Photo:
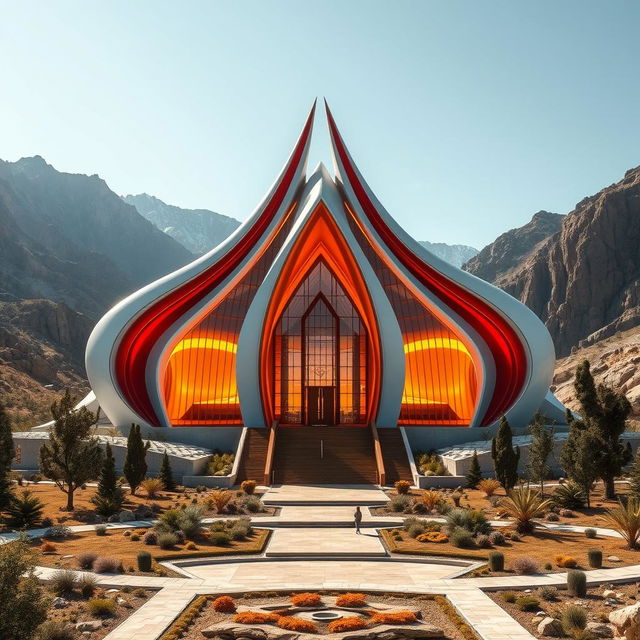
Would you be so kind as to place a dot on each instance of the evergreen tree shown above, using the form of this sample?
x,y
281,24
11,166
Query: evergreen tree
x,y
505,457
108,498
135,463
166,474
475,475
539,451
604,412
634,479
72,456
577,456
7,452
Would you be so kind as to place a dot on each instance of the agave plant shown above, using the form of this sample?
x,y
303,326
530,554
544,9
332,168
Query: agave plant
x,y
625,519
523,504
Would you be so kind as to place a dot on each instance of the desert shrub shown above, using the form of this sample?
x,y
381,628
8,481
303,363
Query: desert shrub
x,y
569,495
415,530
248,486
220,499
255,617
523,505
253,504
351,600
514,536
563,560
577,583
461,538
548,593
595,558
55,630
46,522
139,593
151,537
470,519
85,560
590,533
101,607
483,541
168,522
296,624
306,599
87,584
63,582
509,596
625,519
393,617
238,533
224,604
433,536
566,513
167,540
190,521
496,561
552,516
190,546
101,529
524,566
24,510
488,486
135,537
456,496
57,532
103,564
144,561
48,547
221,464
573,619
527,603
152,486
399,503
430,464
430,499
496,537
352,623
402,486
220,538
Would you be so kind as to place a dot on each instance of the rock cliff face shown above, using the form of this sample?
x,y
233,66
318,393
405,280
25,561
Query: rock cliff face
x,y
456,254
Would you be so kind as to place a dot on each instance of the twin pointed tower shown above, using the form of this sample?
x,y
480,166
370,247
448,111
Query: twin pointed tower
x,y
319,310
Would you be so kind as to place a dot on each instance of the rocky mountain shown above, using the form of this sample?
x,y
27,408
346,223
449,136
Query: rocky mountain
x,y
507,252
198,230
456,254
69,238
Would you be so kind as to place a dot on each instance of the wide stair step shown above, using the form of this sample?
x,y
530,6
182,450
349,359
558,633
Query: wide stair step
x,y
324,455
394,455
254,456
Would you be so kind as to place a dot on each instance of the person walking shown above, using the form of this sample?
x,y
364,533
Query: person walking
x,y
357,518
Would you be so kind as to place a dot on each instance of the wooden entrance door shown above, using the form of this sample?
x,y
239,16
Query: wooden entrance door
x,y
321,406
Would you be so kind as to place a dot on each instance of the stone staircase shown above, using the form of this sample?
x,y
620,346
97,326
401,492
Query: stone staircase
x,y
394,455
254,456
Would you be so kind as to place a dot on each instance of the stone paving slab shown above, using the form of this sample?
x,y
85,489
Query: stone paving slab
x,y
328,494
302,541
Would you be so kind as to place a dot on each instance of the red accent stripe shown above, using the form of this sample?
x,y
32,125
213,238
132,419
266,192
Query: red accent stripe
x,y
138,341
506,347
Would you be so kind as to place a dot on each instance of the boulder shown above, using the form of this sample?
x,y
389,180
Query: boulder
x,y
613,559
551,628
600,629
126,516
89,625
59,603
627,622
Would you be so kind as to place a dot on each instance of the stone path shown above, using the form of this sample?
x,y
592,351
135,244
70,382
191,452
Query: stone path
x,y
302,541
352,494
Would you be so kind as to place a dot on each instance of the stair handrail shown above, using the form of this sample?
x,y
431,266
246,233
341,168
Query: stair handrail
x,y
270,451
377,448
239,453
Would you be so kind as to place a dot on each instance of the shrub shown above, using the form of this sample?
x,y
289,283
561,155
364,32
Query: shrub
x,y
562,560
461,538
430,499
566,513
509,596
48,547
168,522
85,560
190,521
306,599
496,537
394,617
577,583
548,593
524,566
191,546
167,540
63,582
151,537
248,486
625,519
144,561
351,600
573,619
527,603
101,529
483,541
54,630
135,537
352,623
224,604
402,487
548,566
87,584
470,519
456,496
489,486
46,522
399,503
221,464
255,617
415,530
220,538
296,624
552,517
152,486
107,565
590,533
24,510
514,536
139,593
253,504
595,558
220,499
496,561
569,495
238,533
433,536
523,505
101,607
57,532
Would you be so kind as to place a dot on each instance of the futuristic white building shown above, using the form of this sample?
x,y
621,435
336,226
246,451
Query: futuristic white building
x,y
320,311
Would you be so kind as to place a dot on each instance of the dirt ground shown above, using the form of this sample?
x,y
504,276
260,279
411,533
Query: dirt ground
x,y
431,611
542,546
116,545
593,603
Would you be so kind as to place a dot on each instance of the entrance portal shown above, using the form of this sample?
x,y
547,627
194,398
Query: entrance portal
x,y
321,406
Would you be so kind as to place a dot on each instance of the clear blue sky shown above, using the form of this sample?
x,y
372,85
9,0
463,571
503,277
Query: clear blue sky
x,y
465,117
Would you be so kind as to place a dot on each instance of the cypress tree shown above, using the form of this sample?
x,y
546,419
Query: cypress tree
x,y
539,451
475,475
108,498
166,474
634,479
7,452
577,456
135,462
505,457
